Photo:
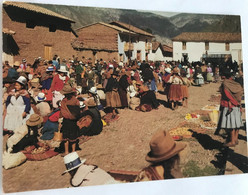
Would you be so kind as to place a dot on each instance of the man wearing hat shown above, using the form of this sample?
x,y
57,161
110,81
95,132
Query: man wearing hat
x,y
46,81
83,174
164,156
23,66
58,82
90,76
42,106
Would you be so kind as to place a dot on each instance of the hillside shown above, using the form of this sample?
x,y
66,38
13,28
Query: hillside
x,y
163,28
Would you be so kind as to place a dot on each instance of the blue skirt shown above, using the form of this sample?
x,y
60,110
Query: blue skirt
x,y
232,120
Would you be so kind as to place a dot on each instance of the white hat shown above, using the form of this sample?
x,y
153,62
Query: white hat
x,y
93,90
49,69
111,66
22,80
40,97
168,70
72,161
81,104
62,69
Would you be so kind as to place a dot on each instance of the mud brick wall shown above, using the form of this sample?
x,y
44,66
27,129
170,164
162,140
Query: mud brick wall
x,y
31,42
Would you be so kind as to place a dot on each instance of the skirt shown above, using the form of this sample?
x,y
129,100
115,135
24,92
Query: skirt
x,y
209,77
232,120
70,130
185,91
175,93
123,97
113,99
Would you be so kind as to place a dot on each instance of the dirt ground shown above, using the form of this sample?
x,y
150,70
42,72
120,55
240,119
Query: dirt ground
x,y
122,145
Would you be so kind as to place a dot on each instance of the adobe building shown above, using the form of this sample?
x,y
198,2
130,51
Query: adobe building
x,y
30,31
111,42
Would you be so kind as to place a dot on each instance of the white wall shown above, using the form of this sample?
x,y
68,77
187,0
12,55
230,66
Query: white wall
x,y
139,46
195,50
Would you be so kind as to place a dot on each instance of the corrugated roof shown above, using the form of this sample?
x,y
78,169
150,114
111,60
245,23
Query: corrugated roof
x,y
208,37
7,31
36,8
108,25
167,48
132,28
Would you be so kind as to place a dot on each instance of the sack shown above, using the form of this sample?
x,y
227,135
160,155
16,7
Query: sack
x,y
13,160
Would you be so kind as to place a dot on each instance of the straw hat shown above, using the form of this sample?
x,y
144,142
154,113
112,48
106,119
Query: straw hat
x,y
163,147
40,97
93,90
72,161
22,80
67,89
34,120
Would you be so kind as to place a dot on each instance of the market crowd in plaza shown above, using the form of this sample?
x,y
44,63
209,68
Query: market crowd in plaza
x,y
78,96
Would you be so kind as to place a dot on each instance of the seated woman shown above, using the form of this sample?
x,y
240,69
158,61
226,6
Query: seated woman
x,y
148,100
90,122
164,156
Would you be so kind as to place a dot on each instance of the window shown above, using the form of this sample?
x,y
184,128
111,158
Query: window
x,y
206,46
184,45
52,28
227,46
30,24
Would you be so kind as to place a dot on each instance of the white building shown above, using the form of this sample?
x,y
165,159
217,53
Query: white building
x,y
139,44
160,52
195,46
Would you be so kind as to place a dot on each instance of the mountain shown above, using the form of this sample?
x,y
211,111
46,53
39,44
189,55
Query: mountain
x,y
163,28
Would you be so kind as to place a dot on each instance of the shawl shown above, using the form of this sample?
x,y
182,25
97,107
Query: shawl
x,y
65,112
234,88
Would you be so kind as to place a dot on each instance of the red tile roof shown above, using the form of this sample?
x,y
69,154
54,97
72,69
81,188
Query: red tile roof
x,y
208,37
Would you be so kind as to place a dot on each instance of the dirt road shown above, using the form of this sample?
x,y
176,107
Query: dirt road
x,y
121,146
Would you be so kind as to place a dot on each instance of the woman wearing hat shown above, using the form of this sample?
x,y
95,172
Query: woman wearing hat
x,y
175,91
46,82
112,96
230,108
164,156
165,79
93,95
42,106
69,111
18,108
57,85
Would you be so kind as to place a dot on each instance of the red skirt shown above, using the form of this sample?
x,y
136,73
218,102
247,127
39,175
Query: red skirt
x,y
175,93
185,91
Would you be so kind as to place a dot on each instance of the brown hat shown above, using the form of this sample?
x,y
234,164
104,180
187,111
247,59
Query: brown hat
x,y
91,102
176,70
163,147
67,89
34,120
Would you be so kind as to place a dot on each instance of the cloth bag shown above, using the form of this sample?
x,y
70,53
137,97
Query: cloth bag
x,y
13,160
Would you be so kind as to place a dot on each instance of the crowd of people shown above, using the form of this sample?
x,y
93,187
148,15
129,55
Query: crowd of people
x,y
73,95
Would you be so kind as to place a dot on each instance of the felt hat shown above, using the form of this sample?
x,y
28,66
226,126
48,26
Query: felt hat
x,y
49,69
168,70
17,63
91,103
67,89
34,120
93,90
163,147
176,70
62,69
22,80
40,97
72,161
139,83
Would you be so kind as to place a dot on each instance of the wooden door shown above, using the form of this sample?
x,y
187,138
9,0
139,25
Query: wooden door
x,y
48,52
